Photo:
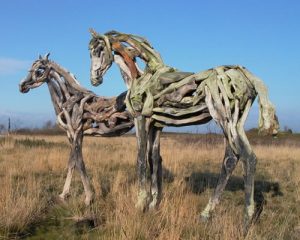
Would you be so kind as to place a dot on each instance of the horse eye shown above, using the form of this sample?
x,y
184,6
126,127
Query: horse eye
x,y
97,52
40,72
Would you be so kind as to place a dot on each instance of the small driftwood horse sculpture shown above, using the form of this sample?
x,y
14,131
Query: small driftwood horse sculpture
x,y
79,112
161,96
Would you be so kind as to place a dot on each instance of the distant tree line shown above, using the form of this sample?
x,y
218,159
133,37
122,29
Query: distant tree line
x,y
51,128
48,128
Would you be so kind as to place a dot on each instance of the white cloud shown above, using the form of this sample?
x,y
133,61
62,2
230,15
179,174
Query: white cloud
x,y
11,66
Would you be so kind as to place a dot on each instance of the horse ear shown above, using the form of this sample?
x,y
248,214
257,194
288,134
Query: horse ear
x,y
47,56
93,32
40,57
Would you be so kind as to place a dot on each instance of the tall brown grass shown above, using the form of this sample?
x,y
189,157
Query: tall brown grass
x,y
33,168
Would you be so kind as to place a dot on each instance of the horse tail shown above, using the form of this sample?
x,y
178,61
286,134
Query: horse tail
x,y
268,121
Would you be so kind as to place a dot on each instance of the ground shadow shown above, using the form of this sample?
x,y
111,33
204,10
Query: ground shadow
x,y
106,182
199,181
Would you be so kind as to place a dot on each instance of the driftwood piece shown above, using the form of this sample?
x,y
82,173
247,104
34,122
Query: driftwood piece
x,y
178,94
177,112
204,117
167,78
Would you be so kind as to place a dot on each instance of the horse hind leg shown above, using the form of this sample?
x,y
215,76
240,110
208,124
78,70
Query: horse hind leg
x,y
221,113
249,161
229,163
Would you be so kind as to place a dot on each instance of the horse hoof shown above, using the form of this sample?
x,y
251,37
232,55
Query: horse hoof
x,y
88,202
153,206
141,206
60,199
204,218
142,203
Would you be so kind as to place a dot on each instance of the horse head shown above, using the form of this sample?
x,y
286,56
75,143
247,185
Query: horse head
x,y
37,74
101,57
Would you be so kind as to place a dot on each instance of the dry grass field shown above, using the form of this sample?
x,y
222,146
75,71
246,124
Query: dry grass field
x,y
33,169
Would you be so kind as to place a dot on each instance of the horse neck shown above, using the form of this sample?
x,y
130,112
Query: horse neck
x,y
62,85
68,78
145,52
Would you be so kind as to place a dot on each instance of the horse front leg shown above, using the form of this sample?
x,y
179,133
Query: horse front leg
x,y
156,174
71,165
141,135
80,166
76,160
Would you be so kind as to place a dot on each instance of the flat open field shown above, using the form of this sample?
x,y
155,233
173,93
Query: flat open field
x,y
33,169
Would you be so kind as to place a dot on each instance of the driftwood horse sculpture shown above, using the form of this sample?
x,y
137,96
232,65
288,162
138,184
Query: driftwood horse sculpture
x,y
79,112
159,96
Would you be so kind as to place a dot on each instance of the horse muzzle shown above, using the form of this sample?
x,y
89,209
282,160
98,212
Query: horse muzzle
x,y
96,80
23,88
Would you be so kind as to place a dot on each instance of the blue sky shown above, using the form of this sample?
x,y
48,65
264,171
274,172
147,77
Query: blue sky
x,y
193,36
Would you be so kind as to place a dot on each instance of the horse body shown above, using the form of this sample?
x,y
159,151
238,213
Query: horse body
x,y
161,96
79,112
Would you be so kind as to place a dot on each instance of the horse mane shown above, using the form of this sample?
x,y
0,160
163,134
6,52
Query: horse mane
x,y
117,35
145,50
69,77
